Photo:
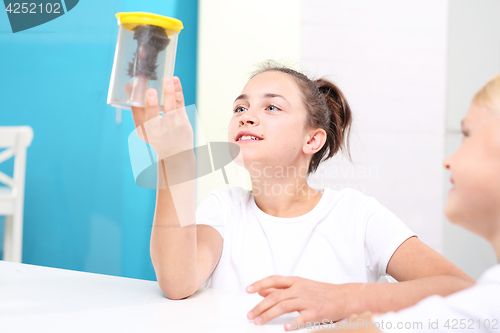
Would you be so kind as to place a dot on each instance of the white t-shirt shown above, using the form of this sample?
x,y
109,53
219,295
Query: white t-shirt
x,y
476,309
347,237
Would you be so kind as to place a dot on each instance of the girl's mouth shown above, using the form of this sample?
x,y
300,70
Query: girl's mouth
x,y
248,138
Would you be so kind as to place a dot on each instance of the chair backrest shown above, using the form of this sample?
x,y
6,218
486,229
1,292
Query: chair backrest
x,y
15,139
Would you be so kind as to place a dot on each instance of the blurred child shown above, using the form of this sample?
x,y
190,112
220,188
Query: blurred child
x,y
474,203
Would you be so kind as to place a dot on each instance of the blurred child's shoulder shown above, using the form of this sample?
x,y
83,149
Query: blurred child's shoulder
x,y
491,275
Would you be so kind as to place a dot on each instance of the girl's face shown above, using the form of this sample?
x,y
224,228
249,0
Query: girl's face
x,y
474,201
270,107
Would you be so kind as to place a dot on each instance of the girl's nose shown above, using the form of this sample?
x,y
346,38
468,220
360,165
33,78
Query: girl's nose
x,y
248,118
242,122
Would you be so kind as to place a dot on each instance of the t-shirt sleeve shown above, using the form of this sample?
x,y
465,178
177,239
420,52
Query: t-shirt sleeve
x,y
384,233
211,212
476,309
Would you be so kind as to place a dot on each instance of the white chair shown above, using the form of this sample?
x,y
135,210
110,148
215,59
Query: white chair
x,y
16,139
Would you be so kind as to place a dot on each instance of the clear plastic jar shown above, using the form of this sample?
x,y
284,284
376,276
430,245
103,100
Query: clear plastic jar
x,y
144,56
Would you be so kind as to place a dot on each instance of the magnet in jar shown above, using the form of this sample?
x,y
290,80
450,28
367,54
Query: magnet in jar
x,y
151,40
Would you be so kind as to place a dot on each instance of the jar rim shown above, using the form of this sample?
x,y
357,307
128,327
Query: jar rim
x,y
130,20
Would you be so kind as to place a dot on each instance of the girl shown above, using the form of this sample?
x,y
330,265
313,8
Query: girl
x,y
474,203
291,237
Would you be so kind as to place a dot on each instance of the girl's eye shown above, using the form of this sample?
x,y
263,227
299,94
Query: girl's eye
x,y
273,108
239,109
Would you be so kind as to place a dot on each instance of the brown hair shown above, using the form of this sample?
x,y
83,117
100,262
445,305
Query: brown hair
x,y
327,108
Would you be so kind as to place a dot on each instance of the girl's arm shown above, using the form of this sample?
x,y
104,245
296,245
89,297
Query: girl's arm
x,y
183,254
421,271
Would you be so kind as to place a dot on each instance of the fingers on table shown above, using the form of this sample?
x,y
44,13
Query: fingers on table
x,y
271,300
276,309
275,281
266,292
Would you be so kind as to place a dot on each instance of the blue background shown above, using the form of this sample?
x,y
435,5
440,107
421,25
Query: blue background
x,y
83,210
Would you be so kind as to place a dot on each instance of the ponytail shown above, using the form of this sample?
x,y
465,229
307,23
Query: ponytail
x,y
339,123
327,108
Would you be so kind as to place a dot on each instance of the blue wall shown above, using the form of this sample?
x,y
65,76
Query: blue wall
x,y
83,210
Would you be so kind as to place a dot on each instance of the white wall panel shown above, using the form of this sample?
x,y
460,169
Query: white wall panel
x,y
234,36
474,53
389,58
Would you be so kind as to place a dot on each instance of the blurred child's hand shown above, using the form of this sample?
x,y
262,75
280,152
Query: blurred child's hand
x,y
168,134
316,301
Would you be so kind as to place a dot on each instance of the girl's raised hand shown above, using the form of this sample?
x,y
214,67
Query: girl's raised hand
x,y
168,134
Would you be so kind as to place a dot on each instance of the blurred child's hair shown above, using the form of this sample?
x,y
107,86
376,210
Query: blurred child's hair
x,y
489,95
327,108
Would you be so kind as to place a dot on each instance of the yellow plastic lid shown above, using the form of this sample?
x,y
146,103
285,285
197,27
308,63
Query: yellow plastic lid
x,y
133,19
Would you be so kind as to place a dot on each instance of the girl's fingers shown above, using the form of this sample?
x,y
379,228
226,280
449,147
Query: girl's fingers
x,y
128,90
169,92
274,281
270,301
266,292
139,88
179,95
285,306
152,109
136,92
139,115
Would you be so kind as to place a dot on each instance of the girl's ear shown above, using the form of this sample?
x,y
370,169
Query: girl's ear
x,y
315,141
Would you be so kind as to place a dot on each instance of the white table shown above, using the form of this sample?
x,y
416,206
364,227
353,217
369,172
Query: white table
x,y
42,299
